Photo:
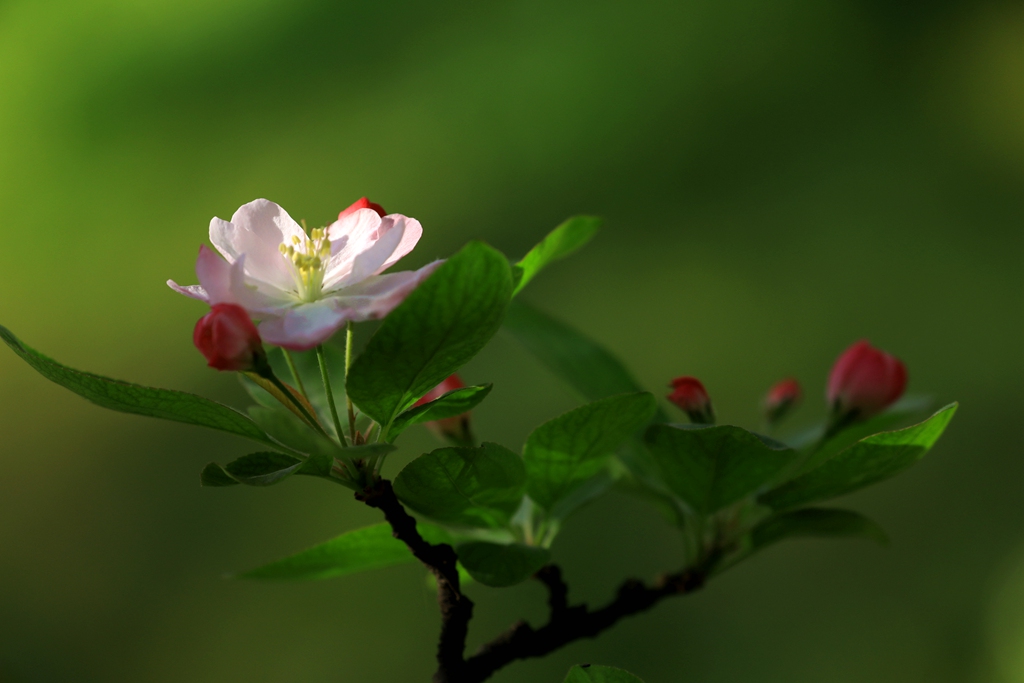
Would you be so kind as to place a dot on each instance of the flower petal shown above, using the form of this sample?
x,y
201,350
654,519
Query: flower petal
x,y
350,235
304,326
411,236
257,230
378,295
371,260
191,291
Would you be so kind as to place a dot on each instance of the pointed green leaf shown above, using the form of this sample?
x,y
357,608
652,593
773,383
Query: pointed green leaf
x,y
442,324
214,475
474,487
713,467
589,673
371,547
263,469
559,243
565,452
497,565
134,398
815,522
291,431
452,404
586,366
870,460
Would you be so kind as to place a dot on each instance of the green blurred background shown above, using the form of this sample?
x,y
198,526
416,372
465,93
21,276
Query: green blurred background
x,y
778,180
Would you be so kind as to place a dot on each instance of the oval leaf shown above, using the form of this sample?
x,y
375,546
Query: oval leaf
x,y
867,462
559,243
371,547
263,469
475,487
565,452
713,467
589,673
125,397
498,565
815,522
214,475
452,404
442,324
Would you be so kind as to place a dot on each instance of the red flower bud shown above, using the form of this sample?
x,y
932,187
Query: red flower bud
x,y
780,399
864,382
228,339
455,429
689,394
363,203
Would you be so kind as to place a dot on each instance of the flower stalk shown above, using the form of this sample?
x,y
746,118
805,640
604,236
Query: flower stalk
x,y
322,358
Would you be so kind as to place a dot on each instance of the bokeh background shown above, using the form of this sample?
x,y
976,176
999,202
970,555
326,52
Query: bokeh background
x,y
778,179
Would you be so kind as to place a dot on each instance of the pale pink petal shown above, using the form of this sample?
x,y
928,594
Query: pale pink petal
x,y
257,230
304,326
192,291
378,295
350,236
215,276
372,259
412,234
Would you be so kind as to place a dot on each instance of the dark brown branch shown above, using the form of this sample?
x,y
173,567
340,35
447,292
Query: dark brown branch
x,y
570,623
456,608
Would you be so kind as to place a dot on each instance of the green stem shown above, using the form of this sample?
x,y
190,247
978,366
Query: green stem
x,y
295,373
330,395
348,364
296,402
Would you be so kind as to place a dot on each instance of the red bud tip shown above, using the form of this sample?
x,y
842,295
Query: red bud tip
x,y
363,203
228,338
864,382
780,399
453,429
692,398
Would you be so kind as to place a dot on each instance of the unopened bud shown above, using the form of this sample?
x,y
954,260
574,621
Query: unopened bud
x,y
363,203
780,399
228,339
864,381
454,429
689,394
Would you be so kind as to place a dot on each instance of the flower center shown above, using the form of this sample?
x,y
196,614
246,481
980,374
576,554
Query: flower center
x,y
308,256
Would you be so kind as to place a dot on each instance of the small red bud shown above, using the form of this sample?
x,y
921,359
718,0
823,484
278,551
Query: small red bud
x,y
780,399
228,339
363,203
864,382
454,429
692,398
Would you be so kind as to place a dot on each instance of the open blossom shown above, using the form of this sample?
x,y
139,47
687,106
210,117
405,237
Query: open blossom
x,y
865,381
689,394
455,429
303,288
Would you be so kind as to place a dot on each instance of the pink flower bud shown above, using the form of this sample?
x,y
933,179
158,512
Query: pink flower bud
x,y
455,429
689,394
363,203
864,382
228,339
780,399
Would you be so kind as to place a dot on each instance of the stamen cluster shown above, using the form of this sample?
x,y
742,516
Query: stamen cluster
x,y
308,256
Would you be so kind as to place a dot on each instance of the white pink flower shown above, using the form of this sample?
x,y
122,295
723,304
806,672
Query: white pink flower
x,y
303,288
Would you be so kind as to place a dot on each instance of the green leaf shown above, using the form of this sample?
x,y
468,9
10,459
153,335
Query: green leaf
x,y
713,467
908,409
134,398
497,565
586,366
451,404
589,673
442,324
263,469
815,522
559,243
214,475
867,462
291,431
565,452
371,547
475,487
